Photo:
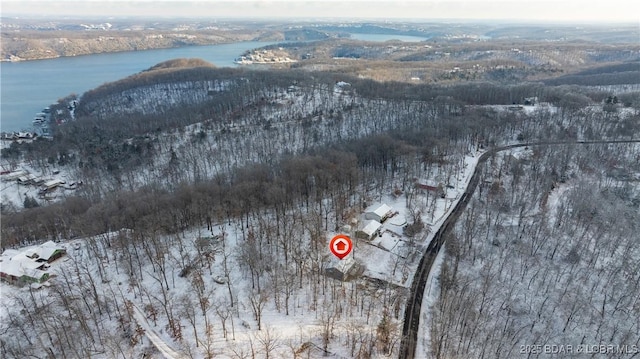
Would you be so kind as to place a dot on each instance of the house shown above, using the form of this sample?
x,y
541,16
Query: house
x,y
30,265
438,190
49,252
378,212
25,135
38,181
345,270
51,185
20,269
15,272
14,175
27,179
370,230
72,185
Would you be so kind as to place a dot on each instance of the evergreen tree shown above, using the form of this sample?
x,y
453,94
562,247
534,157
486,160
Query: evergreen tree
x,y
30,202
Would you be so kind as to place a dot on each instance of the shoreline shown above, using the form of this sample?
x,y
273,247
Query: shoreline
x,y
17,59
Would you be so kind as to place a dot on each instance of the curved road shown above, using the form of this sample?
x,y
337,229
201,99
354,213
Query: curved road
x,y
414,302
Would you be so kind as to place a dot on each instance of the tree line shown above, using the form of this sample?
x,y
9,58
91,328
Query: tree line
x,y
543,255
426,128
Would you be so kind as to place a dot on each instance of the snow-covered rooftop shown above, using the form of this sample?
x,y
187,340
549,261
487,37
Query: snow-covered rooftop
x,y
345,264
19,263
380,210
47,249
371,227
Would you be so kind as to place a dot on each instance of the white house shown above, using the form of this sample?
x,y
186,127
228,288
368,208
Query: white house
x,y
370,230
29,265
14,175
27,179
21,269
52,184
49,251
345,270
378,212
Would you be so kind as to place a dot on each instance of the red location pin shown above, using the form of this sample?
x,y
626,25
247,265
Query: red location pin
x,y
340,246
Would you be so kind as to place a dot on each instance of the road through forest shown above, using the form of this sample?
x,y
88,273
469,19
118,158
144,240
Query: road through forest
x,y
163,347
414,302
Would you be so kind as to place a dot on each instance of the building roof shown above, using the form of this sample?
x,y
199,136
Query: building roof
x,y
53,182
371,227
47,249
426,187
345,265
19,265
381,210
15,174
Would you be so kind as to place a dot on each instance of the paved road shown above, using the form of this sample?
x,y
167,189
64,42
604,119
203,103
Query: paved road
x,y
414,302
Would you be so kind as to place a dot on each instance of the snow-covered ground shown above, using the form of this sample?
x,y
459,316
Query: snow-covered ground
x,y
150,277
158,342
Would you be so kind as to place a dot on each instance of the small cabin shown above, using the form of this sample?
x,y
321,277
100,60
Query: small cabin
x,y
49,252
345,270
26,179
378,212
437,190
370,230
51,185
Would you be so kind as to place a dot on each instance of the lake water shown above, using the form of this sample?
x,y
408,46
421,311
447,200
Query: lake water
x,y
29,86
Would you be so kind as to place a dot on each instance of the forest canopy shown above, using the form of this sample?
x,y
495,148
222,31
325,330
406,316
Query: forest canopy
x,y
181,63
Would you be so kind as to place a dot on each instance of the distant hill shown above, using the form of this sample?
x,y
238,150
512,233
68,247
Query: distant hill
x,y
181,63
304,35
35,45
169,84
615,74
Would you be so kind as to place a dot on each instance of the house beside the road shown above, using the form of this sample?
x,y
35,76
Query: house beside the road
x,y
378,212
369,230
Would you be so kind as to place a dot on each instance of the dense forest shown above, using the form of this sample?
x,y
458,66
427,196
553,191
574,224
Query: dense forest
x,y
546,253
122,138
225,183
